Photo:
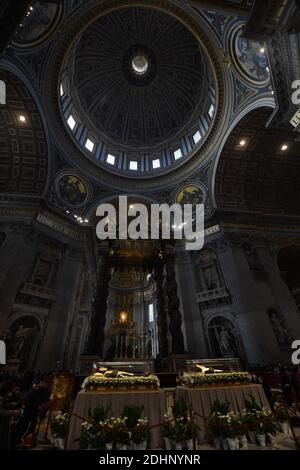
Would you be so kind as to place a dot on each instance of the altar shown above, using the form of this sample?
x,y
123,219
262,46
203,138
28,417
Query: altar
x,y
200,400
153,401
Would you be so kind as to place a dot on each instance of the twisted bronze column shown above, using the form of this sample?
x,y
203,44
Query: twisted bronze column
x,y
99,306
173,305
162,328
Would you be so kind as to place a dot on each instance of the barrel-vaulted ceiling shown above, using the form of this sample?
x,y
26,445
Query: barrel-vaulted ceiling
x,y
259,168
23,146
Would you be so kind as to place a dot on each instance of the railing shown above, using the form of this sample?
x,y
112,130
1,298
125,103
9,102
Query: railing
x,y
38,291
220,293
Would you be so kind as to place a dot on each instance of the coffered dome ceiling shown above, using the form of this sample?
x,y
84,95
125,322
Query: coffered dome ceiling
x,y
23,144
137,91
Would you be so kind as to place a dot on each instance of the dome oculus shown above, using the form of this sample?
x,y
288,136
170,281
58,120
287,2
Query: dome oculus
x,y
140,64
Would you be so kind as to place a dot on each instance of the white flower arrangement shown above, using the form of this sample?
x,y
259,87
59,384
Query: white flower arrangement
x,y
215,379
130,381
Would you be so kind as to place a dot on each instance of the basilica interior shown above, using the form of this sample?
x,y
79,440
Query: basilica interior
x,y
165,102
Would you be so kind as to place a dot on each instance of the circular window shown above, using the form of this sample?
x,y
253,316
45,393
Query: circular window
x,y
140,64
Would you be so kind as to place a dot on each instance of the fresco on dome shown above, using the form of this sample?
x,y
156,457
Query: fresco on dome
x,y
252,59
191,194
72,190
40,20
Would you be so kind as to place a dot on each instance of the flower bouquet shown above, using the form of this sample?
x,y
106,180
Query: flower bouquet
x,y
94,431
281,417
60,429
138,426
226,427
180,428
141,434
119,435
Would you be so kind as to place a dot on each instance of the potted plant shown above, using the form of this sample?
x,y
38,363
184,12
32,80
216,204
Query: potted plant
x,y
167,431
231,430
191,431
281,417
260,435
178,433
217,424
94,431
141,434
267,427
216,429
185,429
60,429
138,427
118,430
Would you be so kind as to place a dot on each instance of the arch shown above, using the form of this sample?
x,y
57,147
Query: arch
x,y
24,146
259,175
264,102
132,198
223,336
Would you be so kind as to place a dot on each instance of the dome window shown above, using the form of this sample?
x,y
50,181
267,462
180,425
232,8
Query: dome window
x,y
133,165
177,154
71,122
156,163
211,111
89,144
110,159
197,137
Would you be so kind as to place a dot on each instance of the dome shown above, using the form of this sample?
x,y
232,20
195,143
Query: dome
x,y
137,91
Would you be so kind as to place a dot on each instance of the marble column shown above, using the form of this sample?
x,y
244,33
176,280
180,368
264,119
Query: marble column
x,y
162,333
187,289
16,258
58,329
99,305
175,316
248,307
281,294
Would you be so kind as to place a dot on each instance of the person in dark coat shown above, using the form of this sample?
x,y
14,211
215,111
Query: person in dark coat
x,y
34,403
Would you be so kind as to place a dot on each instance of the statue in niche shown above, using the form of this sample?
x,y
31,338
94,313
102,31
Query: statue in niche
x,y
225,343
252,258
210,275
20,341
279,328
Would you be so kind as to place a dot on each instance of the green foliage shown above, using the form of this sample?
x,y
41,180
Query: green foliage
x,y
182,426
251,404
179,408
98,414
60,425
280,413
222,408
133,413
